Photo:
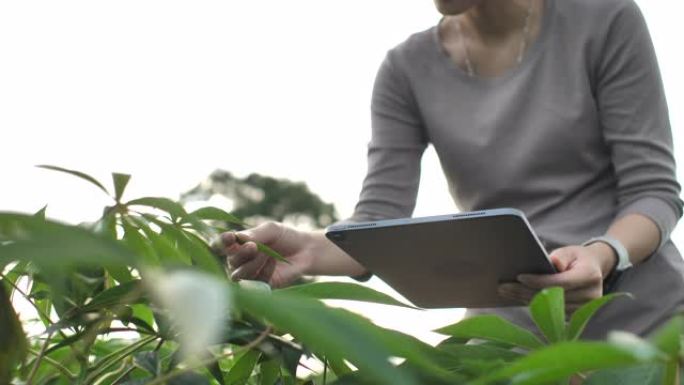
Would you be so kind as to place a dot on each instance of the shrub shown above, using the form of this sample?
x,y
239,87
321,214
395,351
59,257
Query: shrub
x,y
139,298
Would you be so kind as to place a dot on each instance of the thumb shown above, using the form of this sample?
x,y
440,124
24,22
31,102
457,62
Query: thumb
x,y
266,233
562,258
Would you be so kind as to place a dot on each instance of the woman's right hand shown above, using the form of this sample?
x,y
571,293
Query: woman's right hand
x,y
247,262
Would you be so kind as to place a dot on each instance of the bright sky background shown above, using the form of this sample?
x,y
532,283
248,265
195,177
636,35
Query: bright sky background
x,y
170,90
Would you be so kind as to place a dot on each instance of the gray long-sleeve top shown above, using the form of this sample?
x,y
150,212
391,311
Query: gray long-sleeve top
x,y
576,136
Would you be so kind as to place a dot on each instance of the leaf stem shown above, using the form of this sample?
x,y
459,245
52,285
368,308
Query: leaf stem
x,y
63,369
39,358
123,375
175,373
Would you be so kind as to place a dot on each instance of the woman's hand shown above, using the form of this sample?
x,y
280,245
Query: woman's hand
x,y
581,270
247,262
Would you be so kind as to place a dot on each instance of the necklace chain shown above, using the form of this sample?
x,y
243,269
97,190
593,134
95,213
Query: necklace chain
x,y
521,50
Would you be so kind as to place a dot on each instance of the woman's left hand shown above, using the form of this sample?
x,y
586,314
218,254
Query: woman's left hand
x,y
581,271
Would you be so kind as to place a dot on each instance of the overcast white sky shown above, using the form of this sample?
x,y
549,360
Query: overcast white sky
x,y
170,90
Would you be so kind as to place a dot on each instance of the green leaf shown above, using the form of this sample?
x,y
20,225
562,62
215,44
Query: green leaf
x,y
77,174
475,359
339,334
41,213
102,366
174,209
243,368
125,293
148,361
339,367
269,372
215,370
120,182
641,375
344,291
164,245
492,328
581,316
668,337
13,346
189,378
270,252
55,247
193,247
636,345
480,352
562,360
216,214
133,239
548,311
106,226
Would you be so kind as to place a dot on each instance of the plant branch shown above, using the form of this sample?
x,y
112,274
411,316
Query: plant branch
x,y
123,375
122,368
63,369
39,358
175,373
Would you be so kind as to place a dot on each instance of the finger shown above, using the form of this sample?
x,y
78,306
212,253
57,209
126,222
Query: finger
x,y
582,296
517,291
569,280
246,252
267,233
251,269
225,244
563,258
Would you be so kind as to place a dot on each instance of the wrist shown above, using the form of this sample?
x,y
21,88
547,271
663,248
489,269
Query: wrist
x,y
606,256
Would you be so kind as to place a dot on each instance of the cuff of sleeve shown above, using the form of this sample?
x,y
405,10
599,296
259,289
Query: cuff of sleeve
x,y
656,209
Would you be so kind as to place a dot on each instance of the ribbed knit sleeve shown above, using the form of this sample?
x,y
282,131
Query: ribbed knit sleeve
x,y
397,144
635,123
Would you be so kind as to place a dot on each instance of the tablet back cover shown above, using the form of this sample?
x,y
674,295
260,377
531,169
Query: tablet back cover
x,y
457,261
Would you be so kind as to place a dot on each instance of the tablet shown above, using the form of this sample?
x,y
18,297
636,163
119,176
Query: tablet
x,y
447,261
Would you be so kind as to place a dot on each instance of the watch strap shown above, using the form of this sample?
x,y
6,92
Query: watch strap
x,y
623,262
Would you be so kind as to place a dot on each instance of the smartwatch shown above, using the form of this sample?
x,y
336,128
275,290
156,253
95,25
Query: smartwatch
x,y
623,262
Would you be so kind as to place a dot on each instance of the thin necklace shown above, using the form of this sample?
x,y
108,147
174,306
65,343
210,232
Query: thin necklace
x,y
521,50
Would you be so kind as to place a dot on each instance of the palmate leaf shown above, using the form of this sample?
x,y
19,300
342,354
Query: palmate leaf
x,y
53,245
216,214
192,246
77,174
138,243
548,312
339,334
174,209
641,375
343,291
581,316
668,337
125,293
562,360
242,368
492,328
164,246
120,182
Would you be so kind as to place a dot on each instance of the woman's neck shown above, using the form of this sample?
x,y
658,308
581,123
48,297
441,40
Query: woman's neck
x,y
497,19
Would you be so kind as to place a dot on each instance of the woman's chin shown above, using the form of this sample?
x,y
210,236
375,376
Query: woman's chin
x,y
454,7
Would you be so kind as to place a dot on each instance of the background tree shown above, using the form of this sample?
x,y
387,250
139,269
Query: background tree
x,y
257,198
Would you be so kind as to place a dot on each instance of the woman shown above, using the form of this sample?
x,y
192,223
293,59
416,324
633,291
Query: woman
x,y
554,107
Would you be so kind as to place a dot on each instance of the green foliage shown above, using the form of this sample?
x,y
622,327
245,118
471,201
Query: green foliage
x,y
94,288
261,197
548,312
